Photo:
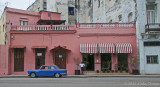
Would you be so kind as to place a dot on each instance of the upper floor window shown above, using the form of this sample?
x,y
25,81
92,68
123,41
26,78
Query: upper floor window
x,y
44,5
120,18
153,43
151,13
38,8
3,27
152,59
130,17
23,22
70,10
110,21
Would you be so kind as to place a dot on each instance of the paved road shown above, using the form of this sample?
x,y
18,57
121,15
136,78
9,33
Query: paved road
x,y
80,82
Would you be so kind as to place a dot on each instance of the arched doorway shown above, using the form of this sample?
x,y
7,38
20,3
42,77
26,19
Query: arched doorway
x,y
60,56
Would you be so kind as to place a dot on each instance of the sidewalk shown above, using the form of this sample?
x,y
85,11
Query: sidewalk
x,y
89,76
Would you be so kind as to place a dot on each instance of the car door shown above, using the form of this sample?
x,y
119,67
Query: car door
x,y
43,71
51,71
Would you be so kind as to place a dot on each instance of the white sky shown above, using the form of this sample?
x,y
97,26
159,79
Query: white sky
x,y
19,4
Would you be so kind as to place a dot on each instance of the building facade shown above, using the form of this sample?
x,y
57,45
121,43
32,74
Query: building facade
x,y
90,11
148,36
38,38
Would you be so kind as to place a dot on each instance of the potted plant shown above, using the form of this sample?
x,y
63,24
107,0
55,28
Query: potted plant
x,y
121,67
97,71
134,63
112,71
107,69
127,70
77,61
103,70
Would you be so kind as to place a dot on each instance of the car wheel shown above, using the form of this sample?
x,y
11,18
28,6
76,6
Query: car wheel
x,y
57,75
33,75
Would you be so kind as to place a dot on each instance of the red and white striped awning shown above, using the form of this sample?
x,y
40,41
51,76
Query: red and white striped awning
x,y
88,48
106,48
123,48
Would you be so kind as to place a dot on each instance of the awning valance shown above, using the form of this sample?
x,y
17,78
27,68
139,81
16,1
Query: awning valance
x,y
18,46
88,48
34,47
123,48
106,48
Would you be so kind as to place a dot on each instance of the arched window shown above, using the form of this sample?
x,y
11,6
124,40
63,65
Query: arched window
x,y
130,17
120,18
110,21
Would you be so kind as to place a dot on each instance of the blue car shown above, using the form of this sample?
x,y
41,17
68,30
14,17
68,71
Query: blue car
x,y
47,70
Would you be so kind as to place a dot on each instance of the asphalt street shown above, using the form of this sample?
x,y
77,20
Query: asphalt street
x,y
81,82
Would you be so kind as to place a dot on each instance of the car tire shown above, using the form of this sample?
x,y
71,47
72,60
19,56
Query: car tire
x,y
57,75
33,75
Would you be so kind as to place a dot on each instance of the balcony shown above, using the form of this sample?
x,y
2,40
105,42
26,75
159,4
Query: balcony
x,y
73,27
43,28
106,25
81,29
152,28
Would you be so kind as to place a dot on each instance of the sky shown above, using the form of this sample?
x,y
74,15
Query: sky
x,y
18,4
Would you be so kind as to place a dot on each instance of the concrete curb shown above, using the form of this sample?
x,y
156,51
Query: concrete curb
x,y
88,76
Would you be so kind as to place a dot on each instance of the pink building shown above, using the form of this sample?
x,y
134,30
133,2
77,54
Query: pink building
x,y
34,39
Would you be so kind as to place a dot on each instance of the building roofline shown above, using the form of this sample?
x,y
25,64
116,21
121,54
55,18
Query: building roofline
x,y
3,12
14,10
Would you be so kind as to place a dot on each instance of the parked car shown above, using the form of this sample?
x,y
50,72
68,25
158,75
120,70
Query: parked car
x,y
47,70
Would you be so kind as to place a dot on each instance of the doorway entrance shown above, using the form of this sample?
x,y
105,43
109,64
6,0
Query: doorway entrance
x,y
39,57
106,61
60,57
18,60
122,61
88,59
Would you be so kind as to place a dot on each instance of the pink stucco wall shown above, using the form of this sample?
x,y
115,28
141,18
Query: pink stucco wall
x,y
15,15
3,60
50,15
71,41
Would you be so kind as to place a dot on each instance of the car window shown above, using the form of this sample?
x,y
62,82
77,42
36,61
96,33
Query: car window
x,y
52,67
44,67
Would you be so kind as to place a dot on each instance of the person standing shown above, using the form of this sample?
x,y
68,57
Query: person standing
x,y
82,65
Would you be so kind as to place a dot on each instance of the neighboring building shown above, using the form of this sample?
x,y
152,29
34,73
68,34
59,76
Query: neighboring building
x,y
3,29
148,31
60,6
37,38
90,11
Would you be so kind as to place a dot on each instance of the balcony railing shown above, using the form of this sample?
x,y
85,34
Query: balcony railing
x,y
106,25
153,27
43,28
73,27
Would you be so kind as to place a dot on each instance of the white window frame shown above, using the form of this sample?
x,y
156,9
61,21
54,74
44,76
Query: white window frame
x,y
22,22
151,14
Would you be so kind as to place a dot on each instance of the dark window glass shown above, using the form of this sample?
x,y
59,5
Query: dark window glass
x,y
155,43
71,11
153,59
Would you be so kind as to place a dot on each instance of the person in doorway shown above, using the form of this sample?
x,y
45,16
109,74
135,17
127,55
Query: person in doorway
x,y
82,65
